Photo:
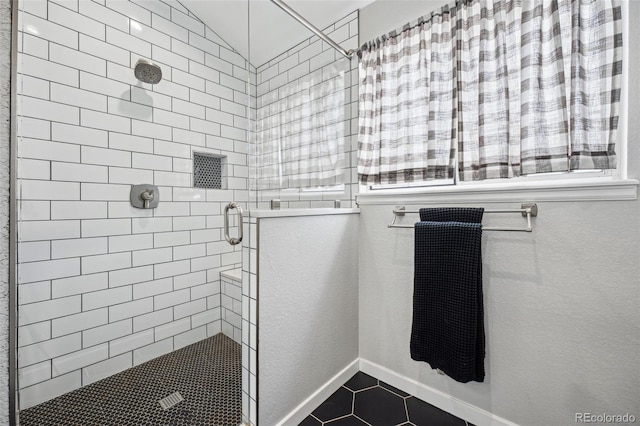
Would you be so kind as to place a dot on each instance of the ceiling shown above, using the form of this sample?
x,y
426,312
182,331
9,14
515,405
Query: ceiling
x,y
272,31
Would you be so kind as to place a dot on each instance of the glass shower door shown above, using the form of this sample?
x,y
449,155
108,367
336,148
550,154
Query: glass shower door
x,y
129,314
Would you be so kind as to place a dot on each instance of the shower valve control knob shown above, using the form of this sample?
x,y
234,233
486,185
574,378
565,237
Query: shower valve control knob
x,y
144,196
147,196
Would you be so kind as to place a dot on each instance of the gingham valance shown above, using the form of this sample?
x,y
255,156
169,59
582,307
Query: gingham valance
x,y
515,86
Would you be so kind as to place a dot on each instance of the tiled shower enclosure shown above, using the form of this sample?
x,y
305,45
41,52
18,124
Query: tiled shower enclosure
x,y
104,286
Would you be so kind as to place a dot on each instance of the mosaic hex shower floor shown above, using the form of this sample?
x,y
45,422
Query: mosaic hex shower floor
x,y
207,374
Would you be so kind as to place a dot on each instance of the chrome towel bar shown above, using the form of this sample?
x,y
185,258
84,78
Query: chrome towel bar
x,y
527,210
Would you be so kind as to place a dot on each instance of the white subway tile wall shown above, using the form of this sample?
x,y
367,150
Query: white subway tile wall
x,y
104,286
249,320
231,304
301,90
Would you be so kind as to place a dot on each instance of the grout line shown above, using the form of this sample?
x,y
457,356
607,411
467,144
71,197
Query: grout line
x,y
171,37
365,389
130,86
362,420
346,416
406,408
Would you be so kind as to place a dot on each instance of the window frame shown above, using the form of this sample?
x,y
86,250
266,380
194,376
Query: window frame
x,y
578,180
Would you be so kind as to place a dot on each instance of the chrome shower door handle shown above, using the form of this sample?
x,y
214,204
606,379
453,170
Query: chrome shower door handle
x,y
232,241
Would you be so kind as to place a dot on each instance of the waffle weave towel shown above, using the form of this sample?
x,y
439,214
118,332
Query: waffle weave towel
x,y
448,328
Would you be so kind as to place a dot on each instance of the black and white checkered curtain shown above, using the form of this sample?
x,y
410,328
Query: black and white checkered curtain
x,y
407,107
517,86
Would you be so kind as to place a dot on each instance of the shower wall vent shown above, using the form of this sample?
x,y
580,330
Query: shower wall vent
x,y
209,171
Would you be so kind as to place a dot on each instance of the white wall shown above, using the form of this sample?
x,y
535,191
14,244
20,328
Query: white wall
x,y
104,286
384,16
307,307
561,316
561,304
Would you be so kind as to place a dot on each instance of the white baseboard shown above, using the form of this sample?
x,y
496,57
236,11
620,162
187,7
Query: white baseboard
x,y
439,399
303,410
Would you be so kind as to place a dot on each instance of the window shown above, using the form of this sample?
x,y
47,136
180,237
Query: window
x,y
491,89
301,140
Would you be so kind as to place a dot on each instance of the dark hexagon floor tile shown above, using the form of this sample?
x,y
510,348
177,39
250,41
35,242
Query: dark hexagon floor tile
x,y
422,413
380,407
347,421
310,421
339,404
394,390
360,381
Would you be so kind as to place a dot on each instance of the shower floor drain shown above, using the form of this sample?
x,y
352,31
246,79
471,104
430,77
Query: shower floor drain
x,y
171,400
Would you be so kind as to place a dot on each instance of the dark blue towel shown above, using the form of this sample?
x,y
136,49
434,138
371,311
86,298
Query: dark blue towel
x,y
452,214
448,329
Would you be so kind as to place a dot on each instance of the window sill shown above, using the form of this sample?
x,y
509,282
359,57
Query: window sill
x,y
588,189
